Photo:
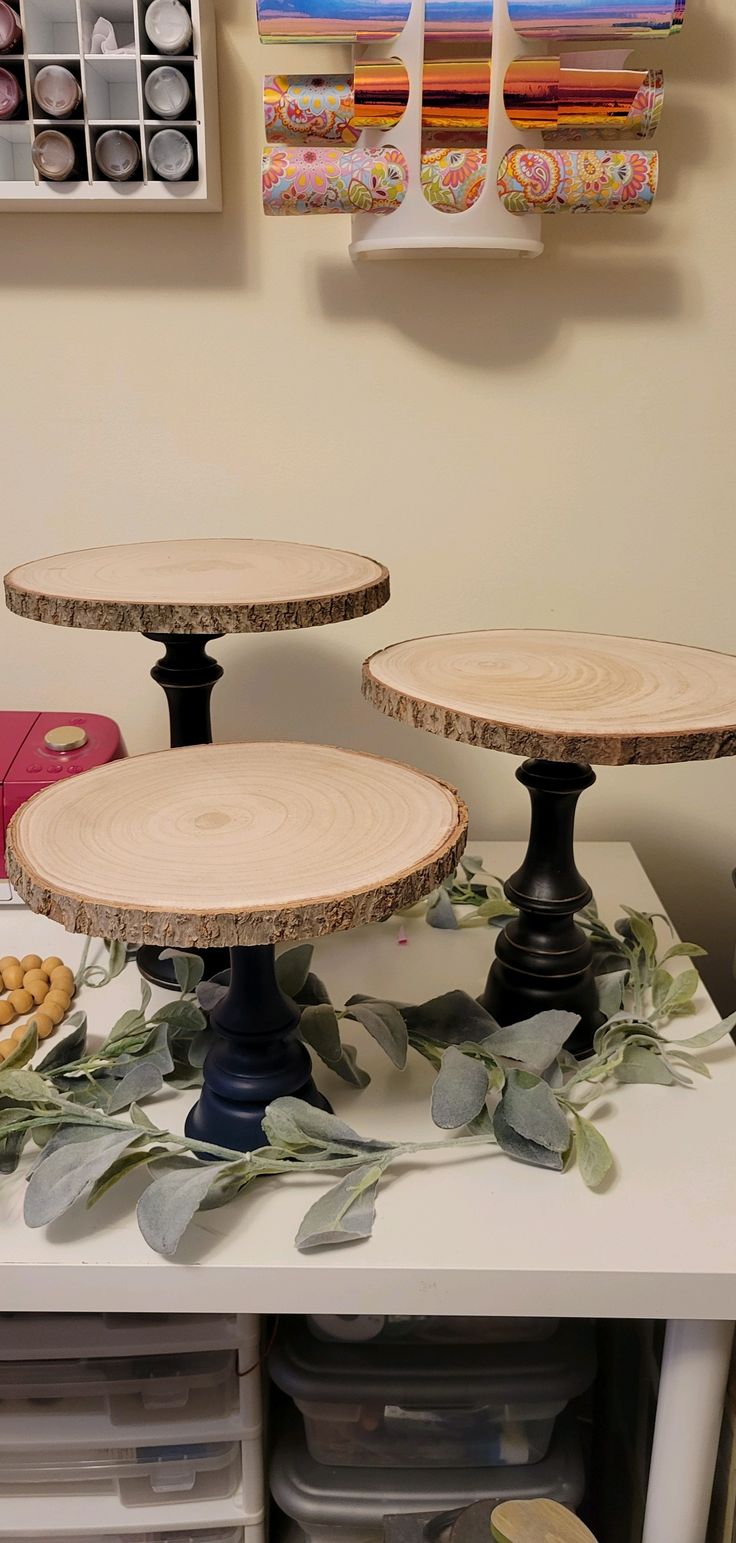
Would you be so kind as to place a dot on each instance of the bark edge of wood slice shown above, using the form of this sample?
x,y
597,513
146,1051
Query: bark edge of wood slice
x,y
188,847
564,696
327,585
537,1521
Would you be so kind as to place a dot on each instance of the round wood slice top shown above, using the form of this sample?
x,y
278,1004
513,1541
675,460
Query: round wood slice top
x,y
219,845
221,585
537,1521
565,696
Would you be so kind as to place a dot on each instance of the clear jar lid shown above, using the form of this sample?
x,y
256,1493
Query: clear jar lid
x,y
171,155
117,155
57,92
10,31
167,92
169,26
11,95
53,155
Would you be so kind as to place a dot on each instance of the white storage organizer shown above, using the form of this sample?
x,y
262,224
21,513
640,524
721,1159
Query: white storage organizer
x,y
208,1535
62,1336
60,32
414,1405
349,1505
138,1476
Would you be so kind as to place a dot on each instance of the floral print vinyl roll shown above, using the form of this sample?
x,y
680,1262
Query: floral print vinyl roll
x,y
452,179
333,181
574,181
300,108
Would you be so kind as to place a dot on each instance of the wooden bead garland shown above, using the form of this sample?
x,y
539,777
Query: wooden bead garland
x,y
33,982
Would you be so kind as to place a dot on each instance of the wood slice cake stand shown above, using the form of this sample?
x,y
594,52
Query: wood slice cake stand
x,y
564,699
185,594
237,846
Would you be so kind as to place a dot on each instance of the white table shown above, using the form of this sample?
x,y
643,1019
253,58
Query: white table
x,y
474,1234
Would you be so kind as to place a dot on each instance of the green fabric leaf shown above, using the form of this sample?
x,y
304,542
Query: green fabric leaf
x,y
531,1109
171,1202
385,1024
611,991
643,930
520,1147
595,1158
68,1173
292,968
684,950
23,1053
188,969
320,1030
710,1036
142,1081
24,1086
673,994
296,1126
460,1090
181,1017
642,1065
535,1042
69,1049
440,912
450,1018
345,1214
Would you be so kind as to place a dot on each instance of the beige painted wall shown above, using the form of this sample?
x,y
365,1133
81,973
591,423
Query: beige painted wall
x,y
545,444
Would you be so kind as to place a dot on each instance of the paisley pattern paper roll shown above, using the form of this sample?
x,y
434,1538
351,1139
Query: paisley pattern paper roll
x,y
573,181
573,106
327,181
331,21
334,109
601,19
452,180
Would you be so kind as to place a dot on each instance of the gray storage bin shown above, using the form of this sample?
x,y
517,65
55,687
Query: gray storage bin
x,y
416,1406
349,1505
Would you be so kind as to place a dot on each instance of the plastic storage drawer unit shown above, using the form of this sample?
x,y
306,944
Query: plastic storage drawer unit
x,y
61,1336
430,1330
348,1505
210,1535
419,1406
53,1396
140,1476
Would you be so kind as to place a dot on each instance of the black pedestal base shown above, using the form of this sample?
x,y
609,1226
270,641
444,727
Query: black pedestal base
x,y
257,1055
543,958
160,972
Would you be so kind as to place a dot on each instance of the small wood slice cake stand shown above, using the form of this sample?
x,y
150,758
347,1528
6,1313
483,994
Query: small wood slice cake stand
x,y
185,594
564,699
237,846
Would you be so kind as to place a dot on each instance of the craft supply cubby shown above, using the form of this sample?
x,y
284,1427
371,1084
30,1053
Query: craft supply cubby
x,y
59,32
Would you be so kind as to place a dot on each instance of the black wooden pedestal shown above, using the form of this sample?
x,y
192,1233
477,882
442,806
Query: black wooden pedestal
x,y
257,1055
543,958
187,673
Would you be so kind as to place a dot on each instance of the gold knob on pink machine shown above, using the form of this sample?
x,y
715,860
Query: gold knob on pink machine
x,y
68,736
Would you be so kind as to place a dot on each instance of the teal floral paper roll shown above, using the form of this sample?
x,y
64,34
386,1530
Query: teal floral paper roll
x,y
574,181
333,181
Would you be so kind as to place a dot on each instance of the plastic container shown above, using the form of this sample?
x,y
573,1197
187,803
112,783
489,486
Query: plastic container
x,y
136,1394
416,1406
210,1535
139,1476
404,1329
351,1505
49,1336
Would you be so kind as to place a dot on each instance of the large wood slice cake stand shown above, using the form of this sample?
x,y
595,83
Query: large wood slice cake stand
x,y
563,699
185,594
237,846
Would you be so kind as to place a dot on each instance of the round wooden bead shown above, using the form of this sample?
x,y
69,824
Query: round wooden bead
x,y
63,979
30,962
52,963
18,1032
35,975
53,1010
12,977
43,1023
7,962
22,1001
39,989
7,1012
62,998
6,1048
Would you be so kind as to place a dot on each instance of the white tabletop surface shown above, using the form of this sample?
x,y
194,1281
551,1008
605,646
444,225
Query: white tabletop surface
x,y
466,1234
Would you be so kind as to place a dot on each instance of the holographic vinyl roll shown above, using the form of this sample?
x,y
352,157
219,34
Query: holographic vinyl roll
x,y
575,181
596,19
575,104
458,21
334,109
333,181
331,21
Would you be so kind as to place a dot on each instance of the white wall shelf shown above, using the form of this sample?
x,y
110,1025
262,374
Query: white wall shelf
x,y
60,32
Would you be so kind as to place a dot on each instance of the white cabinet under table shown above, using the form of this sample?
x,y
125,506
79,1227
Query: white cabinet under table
x,y
469,1233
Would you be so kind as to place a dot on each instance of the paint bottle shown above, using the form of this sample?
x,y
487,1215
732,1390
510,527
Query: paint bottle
x,y
57,92
171,155
11,94
10,29
169,26
117,155
53,155
167,92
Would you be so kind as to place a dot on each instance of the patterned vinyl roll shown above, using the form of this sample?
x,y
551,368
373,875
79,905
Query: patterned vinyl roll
x,y
565,20
333,181
574,181
334,109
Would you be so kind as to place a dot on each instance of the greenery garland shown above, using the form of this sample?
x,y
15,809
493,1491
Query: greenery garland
x,y
516,1088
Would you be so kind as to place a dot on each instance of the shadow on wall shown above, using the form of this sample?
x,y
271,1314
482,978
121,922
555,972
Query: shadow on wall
x,y
627,269
150,251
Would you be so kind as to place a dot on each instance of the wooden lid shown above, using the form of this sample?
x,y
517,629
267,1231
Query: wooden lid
x,y
220,585
219,845
537,1521
566,696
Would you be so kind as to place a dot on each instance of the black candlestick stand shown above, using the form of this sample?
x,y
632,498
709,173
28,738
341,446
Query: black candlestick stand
x,y
187,673
257,1055
543,958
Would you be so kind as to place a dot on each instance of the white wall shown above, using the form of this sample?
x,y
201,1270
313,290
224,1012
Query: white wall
x,y
543,444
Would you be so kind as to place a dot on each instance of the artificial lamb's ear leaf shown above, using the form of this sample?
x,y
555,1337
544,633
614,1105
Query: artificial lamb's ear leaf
x,y
460,1090
68,1173
188,969
640,1064
320,1030
520,1147
441,913
292,968
142,1081
171,1202
180,1017
385,1024
531,1109
209,993
23,1053
611,991
346,1213
672,994
451,1018
711,1036
595,1158
295,1126
69,1049
534,1042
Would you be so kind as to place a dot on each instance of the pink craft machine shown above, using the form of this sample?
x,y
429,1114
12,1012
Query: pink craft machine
x,y
38,749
